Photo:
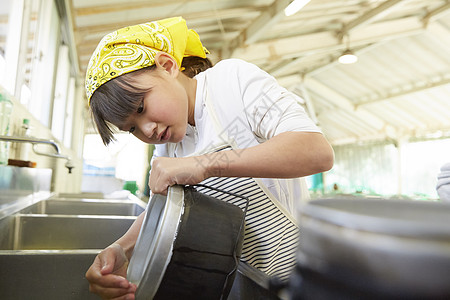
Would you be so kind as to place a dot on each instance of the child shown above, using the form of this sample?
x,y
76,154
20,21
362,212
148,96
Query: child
x,y
154,81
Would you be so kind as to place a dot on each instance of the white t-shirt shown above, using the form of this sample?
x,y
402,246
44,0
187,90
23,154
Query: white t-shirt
x,y
245,107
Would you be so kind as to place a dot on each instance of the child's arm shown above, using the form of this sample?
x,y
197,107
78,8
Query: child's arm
x,y
107,274
287,155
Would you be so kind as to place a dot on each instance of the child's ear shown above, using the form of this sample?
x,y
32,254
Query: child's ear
x,y
166,62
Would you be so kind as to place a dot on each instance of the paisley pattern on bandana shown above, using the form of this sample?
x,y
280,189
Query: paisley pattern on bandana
x,y
134,47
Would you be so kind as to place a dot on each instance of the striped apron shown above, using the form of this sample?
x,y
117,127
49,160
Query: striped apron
x,y
270,236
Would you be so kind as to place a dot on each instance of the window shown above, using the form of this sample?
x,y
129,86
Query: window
x,y
37,61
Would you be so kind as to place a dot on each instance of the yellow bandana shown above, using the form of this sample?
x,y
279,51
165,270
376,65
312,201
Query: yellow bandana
x,y
134,47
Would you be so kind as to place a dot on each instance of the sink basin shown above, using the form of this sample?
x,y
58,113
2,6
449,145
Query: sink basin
x,y
84,207
47,247
59,274
39,231
43,275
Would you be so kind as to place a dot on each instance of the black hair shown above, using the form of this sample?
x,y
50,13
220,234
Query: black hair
x,y
193,65
114,101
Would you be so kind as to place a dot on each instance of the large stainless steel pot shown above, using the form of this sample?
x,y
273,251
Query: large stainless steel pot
x,y
373,248
188,248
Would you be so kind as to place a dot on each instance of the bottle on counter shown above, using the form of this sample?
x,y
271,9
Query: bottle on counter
x,y
6,107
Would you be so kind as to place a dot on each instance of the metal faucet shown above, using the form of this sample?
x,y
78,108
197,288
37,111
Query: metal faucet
x,y
35,141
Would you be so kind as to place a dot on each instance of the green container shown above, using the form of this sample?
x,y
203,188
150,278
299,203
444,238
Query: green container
x,y
131,186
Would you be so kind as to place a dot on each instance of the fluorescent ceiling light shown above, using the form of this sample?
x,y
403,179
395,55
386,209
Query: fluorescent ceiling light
x,y
348,57
295,6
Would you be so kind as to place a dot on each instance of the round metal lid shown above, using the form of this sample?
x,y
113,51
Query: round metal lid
x,y
153,249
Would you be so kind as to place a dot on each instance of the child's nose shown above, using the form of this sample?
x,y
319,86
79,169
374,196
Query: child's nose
x,y
148,129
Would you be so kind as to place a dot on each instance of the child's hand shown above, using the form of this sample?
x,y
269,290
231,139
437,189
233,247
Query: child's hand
x,y
107,275
167,171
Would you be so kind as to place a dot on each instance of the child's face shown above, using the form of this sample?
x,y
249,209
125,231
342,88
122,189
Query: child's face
x,y
162,116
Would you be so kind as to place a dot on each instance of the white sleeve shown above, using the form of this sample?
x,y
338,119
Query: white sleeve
x,y
160,151
270,108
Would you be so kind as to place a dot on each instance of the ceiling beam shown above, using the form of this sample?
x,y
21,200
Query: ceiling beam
x,y
285,66
341,102
371,16
201,16
414,88
326,41
268,17
437,13
289,82
129,5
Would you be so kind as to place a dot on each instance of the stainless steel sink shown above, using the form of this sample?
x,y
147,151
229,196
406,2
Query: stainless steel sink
x,y
84,207
44,275
43,232
47,247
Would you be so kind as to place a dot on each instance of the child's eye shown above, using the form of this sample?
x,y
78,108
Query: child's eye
x,y
131,130
141,107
